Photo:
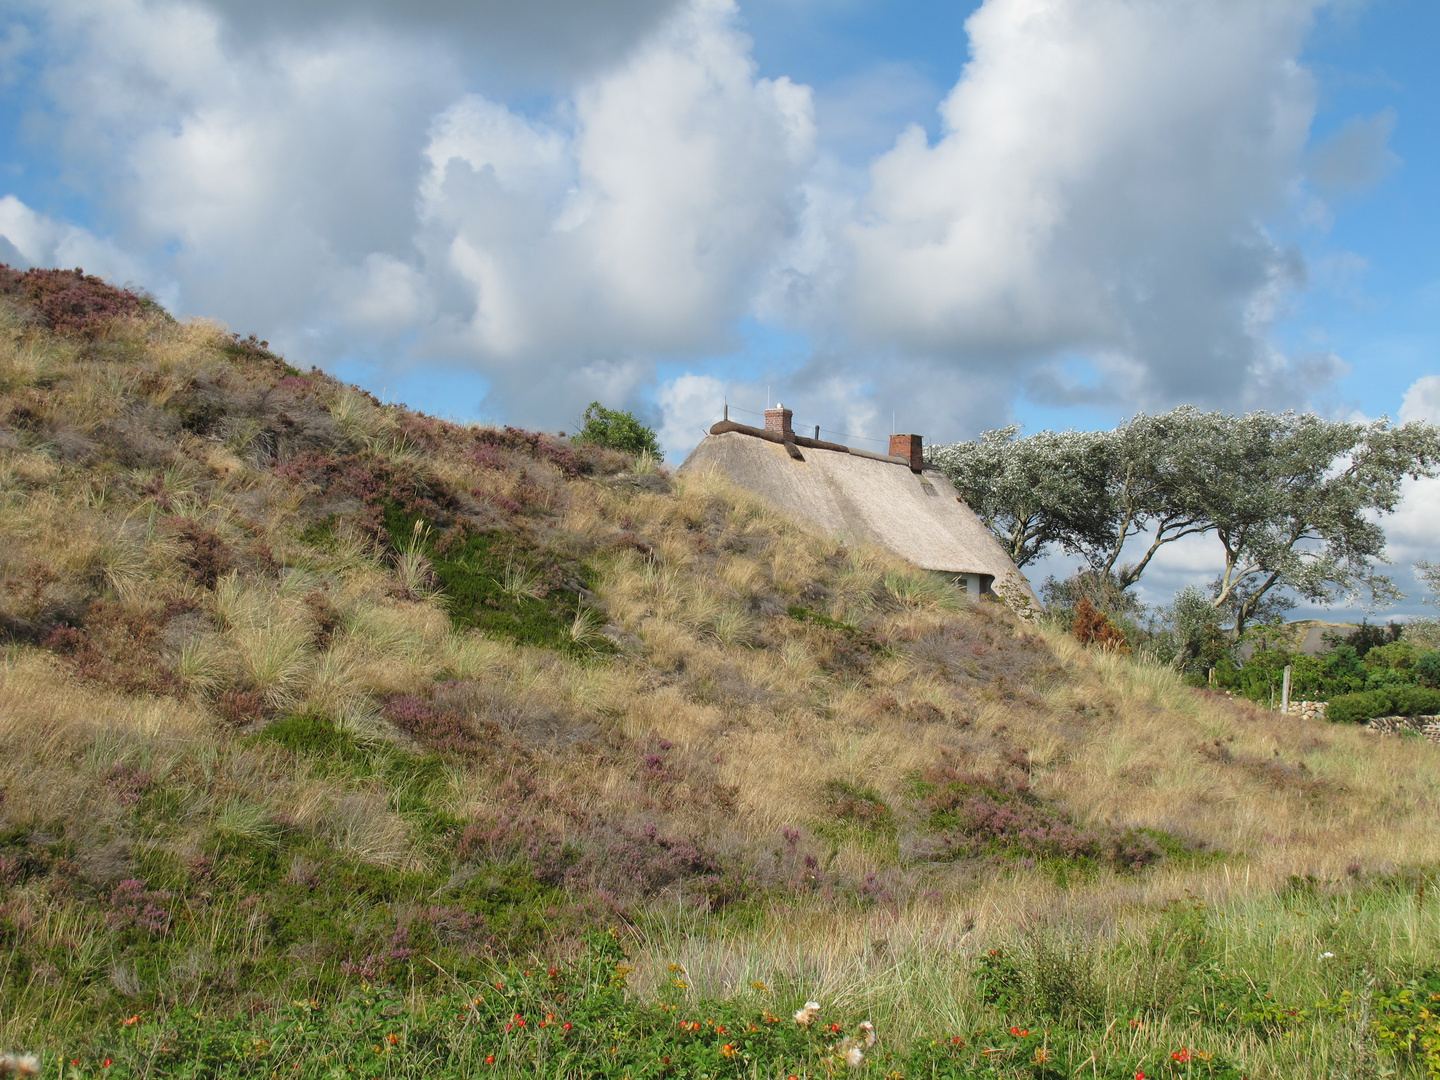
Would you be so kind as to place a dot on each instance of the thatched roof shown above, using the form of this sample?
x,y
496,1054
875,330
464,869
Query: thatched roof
x,y
861,496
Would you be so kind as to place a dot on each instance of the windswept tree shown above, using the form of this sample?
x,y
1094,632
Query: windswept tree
x,y
1294,502
1031,493
1154,466
1429,575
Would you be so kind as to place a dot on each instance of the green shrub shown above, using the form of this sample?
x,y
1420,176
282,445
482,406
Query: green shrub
x,y
1396,656
1427,669
618,430
1357,708
1389,701
1415,701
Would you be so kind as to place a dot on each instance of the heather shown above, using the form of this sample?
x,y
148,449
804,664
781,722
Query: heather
x,y
322,717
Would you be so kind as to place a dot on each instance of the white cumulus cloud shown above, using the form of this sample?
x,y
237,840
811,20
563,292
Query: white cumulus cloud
x,y
1099,187
363,181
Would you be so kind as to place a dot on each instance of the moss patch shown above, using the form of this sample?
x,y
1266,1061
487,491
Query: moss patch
x,y
500,584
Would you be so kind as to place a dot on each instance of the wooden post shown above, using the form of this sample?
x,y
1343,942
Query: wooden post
x,y
1285,692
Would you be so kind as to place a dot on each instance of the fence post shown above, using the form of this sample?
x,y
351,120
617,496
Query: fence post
x,y
1285,692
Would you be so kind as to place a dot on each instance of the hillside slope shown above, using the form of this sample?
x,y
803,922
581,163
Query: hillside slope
x,y
305,694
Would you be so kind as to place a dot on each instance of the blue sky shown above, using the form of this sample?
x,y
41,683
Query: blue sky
x,y
958,215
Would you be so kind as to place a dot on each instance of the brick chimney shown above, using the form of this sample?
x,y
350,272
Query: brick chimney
x,y
908,446
778,420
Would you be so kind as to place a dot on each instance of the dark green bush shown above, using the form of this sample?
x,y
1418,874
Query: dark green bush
x,y
1357,708
618,430
1390,701
1427,669
1414,701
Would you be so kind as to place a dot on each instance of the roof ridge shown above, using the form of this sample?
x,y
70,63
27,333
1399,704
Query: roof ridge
x,y
800,440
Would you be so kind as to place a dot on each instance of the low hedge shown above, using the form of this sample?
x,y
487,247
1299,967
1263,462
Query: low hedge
x,y
1390,701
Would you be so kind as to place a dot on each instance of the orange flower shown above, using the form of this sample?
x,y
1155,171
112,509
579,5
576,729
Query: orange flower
x,y
393,1038
131,1022
728,1050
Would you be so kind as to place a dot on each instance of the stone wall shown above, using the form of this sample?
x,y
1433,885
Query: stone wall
x,y
1428,726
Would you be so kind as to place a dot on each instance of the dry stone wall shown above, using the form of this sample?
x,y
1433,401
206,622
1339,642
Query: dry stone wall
x,y
1428,726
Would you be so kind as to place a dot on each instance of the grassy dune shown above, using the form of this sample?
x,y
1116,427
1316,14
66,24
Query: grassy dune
x,y
321,718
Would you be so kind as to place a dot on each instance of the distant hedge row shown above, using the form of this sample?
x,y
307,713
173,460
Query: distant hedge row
x,y
1390,701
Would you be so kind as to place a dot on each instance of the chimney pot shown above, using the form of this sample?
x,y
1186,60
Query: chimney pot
x,y
911,447
778,420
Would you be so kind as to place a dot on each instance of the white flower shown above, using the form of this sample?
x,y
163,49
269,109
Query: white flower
x,y
1327,956
854,1057
868,1031
806,1016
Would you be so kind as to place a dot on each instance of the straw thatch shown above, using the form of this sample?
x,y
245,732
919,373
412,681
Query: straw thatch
x,y
861,496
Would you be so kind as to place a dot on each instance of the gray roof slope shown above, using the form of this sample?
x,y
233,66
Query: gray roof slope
x,y
861,497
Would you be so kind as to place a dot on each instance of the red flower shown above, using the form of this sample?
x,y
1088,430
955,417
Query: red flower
x,y
490,1060
1139,1075
393,1038
1181,1055
1015,1031
958,1041
106,1063
833,1028
719,1029
566,1025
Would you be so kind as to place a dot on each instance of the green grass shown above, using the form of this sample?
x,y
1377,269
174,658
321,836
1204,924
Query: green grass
x,y
1198,993
498,583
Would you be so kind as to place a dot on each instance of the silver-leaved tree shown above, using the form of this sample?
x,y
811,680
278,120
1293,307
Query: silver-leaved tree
x,y
1293,499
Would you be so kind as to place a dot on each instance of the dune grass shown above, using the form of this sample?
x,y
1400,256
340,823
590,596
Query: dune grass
x,y
309,699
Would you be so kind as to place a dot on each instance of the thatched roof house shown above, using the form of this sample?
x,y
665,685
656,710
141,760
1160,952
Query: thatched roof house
x,y
895,500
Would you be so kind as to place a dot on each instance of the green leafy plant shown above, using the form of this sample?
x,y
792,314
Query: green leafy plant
x,y
618,430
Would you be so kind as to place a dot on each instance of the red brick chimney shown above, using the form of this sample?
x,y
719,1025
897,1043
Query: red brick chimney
x,y
778,420
908,446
